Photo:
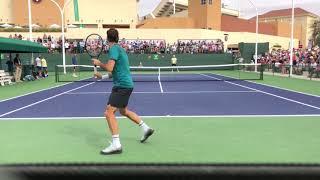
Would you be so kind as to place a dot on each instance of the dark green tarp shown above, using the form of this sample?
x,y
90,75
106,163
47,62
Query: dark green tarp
x,y
247,50
8,45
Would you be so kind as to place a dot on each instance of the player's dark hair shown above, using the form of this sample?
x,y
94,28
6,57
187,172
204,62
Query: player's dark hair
x,y
113,35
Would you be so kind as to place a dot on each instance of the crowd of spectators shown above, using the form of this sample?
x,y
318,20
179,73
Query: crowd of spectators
x,y
55,44
182,46
277,60
16,36
200,46
136,46
144,46
303,61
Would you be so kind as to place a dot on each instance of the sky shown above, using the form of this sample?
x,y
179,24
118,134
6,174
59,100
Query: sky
x,y
246,9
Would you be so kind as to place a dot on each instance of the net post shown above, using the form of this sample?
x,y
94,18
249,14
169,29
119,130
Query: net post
x,y
239,75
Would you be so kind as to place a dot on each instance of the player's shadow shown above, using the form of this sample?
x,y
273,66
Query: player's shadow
x,y
92,137
97,137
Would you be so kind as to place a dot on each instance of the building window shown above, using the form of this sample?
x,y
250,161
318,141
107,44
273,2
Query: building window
x,y
210,1
203,2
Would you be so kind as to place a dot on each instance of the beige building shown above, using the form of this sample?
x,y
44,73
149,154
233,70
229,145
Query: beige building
x,y
201,14
84,13
166,9
303,22
104,13
212,15
5,12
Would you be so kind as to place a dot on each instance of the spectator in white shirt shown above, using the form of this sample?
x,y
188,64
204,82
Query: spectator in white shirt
x,y
38,66
67,45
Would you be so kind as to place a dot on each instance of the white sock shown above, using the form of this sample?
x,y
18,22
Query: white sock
x,y
116,140
144,126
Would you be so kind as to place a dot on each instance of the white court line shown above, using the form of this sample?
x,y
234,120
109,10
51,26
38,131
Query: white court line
x,y
35,92
285,89
161,90
168,116
24,107
275,87
287,99
160,82
167,92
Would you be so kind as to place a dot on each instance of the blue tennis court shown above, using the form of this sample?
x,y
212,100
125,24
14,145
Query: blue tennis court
x,y
165,98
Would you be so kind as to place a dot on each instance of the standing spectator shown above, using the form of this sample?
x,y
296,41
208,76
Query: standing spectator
x,y
67,45
168,49
39,67
18,64
45,38
39,40
82,44
174,48
44,67
10,65
74,62
52,47
75,46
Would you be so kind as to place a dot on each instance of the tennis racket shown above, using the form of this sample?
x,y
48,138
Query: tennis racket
x,y
94,47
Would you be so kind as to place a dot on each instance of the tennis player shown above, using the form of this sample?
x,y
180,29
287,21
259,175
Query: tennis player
x,y
174,62
118,65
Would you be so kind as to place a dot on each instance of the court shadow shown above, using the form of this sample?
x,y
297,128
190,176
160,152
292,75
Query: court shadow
x,y
92,137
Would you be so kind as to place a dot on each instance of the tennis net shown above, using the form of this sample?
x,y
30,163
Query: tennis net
x,y
230,72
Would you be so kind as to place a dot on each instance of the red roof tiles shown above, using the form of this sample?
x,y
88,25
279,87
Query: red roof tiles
x,y
234,24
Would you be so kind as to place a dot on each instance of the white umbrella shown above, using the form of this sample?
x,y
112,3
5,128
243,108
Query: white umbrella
x,y
35,26
5,25
55,26
72,26
17,27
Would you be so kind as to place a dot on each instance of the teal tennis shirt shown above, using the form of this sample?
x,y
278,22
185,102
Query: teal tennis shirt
x,y
121,72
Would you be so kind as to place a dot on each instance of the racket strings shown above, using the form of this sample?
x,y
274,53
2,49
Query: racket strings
x,y
94,45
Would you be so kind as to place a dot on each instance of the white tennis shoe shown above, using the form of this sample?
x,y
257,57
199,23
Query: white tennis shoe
x,y
112,149
146,135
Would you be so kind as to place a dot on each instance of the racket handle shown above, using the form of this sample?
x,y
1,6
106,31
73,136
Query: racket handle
x,y
95,69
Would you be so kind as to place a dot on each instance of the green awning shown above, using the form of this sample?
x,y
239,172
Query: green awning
x,y
8,45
